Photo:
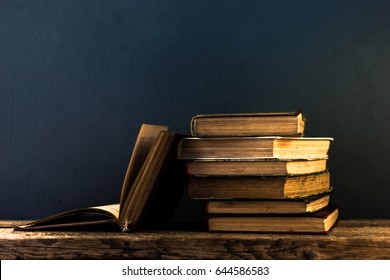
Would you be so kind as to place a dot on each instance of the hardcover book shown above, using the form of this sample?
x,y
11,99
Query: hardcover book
x,y
269,206
152,187
255,167
319,222
257,187
248,124
252,148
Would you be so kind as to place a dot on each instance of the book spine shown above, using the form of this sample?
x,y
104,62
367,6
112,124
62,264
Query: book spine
x,y
193,127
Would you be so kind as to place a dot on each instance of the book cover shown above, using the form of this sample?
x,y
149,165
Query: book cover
x,y
158,187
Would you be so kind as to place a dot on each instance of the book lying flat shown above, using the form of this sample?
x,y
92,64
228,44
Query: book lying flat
x,y
272,206
270,187
319,222
251,148
255,167
248,124
152,187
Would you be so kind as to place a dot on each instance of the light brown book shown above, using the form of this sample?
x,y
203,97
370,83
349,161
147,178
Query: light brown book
x,y
252,148
146,137
280,206
255,167
319,222
251,187
248,124
151,190
158,187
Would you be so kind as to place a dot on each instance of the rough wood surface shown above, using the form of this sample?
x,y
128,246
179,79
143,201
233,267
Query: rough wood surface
x,y
351,239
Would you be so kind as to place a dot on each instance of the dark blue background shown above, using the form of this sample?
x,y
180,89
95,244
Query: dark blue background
x,y
77,79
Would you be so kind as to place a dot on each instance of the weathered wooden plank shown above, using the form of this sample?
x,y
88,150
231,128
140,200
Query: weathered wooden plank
x,y
353,239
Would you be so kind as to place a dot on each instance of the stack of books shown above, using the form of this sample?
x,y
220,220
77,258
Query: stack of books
x,y
258,173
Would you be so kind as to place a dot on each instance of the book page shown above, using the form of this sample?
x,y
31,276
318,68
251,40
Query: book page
x,y
146,138
112,208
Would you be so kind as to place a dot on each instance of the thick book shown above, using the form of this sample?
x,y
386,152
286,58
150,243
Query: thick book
x,y
319,222
252,148
248,124
270,206
153,186
257,187
255,167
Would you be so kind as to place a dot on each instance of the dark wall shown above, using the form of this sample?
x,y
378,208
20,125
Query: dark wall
x,y
77,78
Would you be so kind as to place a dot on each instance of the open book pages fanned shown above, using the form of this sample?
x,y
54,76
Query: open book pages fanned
x,y
152,187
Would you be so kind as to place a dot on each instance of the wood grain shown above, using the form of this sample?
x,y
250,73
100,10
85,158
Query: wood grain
x,y
351,239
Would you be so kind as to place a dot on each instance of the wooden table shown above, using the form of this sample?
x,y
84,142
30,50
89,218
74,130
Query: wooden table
x,y
351,239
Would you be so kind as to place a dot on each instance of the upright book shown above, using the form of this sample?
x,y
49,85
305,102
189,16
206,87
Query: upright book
x,y
248,124
152,187
252,148
147,135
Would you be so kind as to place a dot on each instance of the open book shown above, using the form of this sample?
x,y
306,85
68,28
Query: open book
x,y
152,187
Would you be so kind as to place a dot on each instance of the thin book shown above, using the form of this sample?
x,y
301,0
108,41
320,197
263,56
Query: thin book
x,y
248,124
252,148
308,204
255,167
320,222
